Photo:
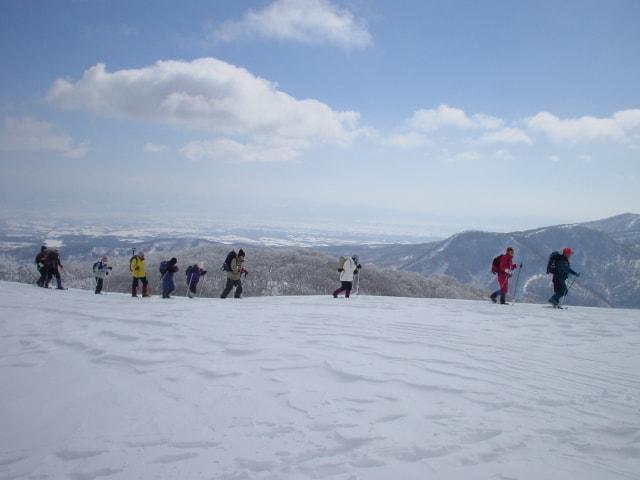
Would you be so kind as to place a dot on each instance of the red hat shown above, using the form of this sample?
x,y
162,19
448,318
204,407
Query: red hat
x,y
567,251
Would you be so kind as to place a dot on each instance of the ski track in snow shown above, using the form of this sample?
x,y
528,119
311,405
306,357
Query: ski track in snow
x,y
110,387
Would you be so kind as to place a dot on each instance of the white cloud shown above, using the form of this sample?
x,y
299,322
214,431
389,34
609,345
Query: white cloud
x,y
446,117
503,154
30,135
206,94
434,119
585,129
305,21
509,136
407,140
466,157
227,150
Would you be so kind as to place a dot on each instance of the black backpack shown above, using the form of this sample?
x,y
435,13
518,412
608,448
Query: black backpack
x,y
164,267
226,266
495,264
95,267
188,270
552,263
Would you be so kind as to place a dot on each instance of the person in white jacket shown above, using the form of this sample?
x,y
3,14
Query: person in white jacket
x,y
347,272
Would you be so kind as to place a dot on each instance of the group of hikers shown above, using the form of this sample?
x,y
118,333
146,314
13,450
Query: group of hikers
x,y
233,266
48,264
558,265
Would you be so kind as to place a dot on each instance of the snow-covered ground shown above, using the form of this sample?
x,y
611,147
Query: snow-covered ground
x,y
110,387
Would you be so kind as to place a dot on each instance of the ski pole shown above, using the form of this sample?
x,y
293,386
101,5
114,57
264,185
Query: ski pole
x,y
515,290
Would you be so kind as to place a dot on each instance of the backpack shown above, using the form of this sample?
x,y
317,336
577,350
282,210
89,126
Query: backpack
x,y
226,266
341,262
95,267
131,262
189,270
553,262
495,264
164,267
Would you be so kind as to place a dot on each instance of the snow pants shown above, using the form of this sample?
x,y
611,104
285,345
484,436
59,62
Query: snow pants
x,y
559,289
230,284
99,282
167,285
345,287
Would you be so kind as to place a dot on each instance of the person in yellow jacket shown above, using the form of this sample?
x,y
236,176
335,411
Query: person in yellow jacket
x,y
136,265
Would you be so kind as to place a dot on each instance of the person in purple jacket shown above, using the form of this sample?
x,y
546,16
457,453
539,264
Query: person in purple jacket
x,y
194,272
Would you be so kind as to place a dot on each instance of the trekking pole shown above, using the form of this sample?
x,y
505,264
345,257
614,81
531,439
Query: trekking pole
x,y
358,284
106,289
515,290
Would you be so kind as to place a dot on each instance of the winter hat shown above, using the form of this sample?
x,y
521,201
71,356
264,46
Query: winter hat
x,y
241,253
43,248
567,251
140,254
104,258
509,249
173,261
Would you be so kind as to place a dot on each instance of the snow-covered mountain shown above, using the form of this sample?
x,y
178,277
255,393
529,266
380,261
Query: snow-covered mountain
x,y
610,269
623,228
372,388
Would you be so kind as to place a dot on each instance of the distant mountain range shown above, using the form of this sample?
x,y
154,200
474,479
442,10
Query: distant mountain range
x,y
607,254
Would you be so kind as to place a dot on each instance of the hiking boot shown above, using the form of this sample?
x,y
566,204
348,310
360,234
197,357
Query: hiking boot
x,y
493,298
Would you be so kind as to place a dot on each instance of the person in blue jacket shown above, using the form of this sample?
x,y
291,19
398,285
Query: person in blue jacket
x,y
168,286
560,275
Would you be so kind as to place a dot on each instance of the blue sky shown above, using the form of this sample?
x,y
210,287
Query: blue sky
x,y
495,115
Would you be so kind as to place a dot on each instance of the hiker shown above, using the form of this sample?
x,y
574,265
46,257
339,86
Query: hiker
x,y
101,270
193,273
503,266
233,267
561,268
53,266
41,259
167,269
348,268
136,266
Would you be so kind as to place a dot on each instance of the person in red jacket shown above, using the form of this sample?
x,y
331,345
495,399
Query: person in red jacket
x,y
505,269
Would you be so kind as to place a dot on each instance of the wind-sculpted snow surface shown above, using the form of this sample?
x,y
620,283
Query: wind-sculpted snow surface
x,y
110,387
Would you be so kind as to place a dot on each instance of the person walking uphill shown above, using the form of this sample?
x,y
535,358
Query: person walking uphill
x,y
41,259
53,266
348,269
101,270
503,266
139,274
561,268
234,271
167,269
193,273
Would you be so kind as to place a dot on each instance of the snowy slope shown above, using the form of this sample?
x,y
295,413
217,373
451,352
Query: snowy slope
x,y
110,387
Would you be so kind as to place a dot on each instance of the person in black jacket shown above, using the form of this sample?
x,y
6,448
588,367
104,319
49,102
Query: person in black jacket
x,y
41,265
168,286
53,267
560,275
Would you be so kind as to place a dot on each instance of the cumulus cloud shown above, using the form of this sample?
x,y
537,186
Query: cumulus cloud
x,y
429,120
586,129
31,135
228,150
508,136
206,94
305,21
407,140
